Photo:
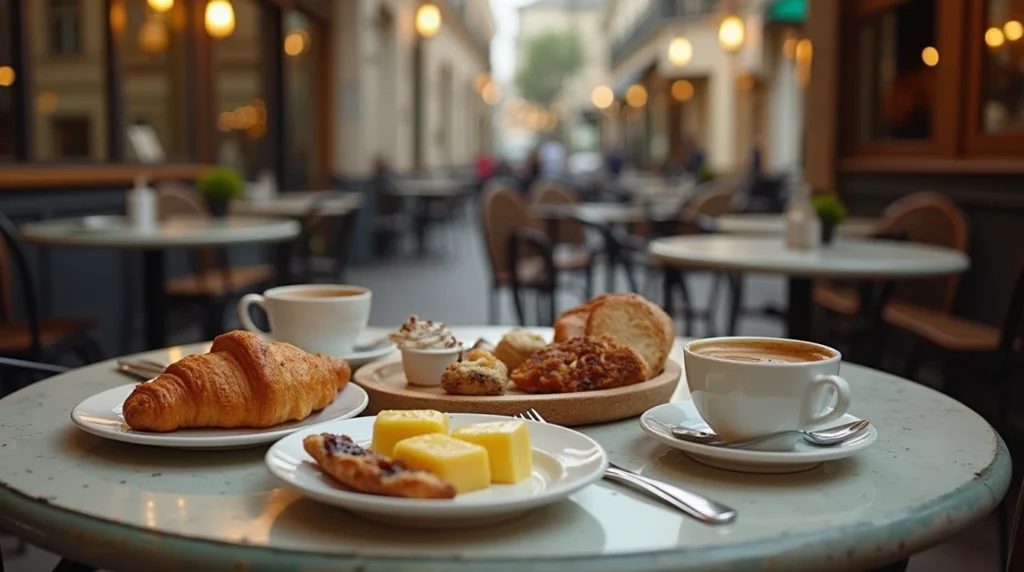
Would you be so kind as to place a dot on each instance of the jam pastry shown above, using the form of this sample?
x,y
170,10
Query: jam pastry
x,y
367,472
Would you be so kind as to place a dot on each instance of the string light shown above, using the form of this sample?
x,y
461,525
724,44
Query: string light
x,y
682,90
602,97
1013,30
930,56
731,33
220,18
994,37
680,51
636,95
428,20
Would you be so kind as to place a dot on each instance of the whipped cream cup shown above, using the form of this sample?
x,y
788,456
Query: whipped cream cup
x,y
427,349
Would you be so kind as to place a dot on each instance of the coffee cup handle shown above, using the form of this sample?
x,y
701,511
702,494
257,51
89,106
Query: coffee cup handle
x,y
822,383
243,312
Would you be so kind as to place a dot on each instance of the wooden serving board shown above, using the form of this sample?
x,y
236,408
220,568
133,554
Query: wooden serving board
x,y
385,383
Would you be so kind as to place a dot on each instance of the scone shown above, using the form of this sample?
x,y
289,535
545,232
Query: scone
x,y
479,374
516,346
581,364
638,323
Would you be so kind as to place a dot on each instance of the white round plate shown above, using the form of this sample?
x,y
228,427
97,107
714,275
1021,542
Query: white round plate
x,y
564,461
101,415
804,455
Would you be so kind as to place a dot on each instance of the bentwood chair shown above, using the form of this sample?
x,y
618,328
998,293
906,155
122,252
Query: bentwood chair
x,y
30,336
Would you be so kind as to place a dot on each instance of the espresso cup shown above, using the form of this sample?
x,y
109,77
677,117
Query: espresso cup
x,y
747,387
319,318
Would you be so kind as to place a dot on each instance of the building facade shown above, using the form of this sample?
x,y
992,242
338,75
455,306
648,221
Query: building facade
x,y
309,89
692,87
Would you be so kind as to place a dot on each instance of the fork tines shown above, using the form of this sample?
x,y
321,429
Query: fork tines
x,y
531,415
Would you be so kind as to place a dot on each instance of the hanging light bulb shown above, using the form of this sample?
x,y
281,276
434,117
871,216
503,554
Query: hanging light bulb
x,y
680,51
428,20
153,36
220,18
731,33
160,6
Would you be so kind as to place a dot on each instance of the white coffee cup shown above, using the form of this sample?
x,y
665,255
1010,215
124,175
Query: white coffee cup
x,y
319,318
743,399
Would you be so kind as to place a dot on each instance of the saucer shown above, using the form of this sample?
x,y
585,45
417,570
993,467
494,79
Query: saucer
x,y
358,359
802,457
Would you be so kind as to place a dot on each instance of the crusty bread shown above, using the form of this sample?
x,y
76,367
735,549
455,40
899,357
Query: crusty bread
x,y
573,322
635,323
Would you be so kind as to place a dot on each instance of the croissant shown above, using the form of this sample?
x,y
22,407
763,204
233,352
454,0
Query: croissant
x,y
245,381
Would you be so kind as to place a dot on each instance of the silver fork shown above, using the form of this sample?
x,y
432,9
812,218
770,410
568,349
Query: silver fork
x,y
701,508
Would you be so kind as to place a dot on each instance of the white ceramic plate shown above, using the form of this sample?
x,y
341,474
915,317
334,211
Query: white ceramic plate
x,y
101,415
564,461
804,455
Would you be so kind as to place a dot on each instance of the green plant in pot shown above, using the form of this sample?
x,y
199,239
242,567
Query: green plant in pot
x,y
831,211
705,174
219,186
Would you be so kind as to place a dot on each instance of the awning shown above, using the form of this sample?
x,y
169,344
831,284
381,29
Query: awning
x,y
788,11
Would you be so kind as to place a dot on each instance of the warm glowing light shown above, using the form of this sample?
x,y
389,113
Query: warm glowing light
x,y
428,20
161,5
682,90
602,97
1013,30
118,17
994,37
789,48
680,51
296,42
636,95
491,94
153,36
930,56
46,102
7,76
226,121
481,81
220,18
804,51
731,33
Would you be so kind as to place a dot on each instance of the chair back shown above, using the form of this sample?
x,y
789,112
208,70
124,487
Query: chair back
x,y
1013,328
13,254
927,218
502,210
549,191
176,199
709,200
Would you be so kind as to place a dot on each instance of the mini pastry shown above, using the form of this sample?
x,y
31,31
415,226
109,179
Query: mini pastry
x,y
581,364
367,472
479,374
516,346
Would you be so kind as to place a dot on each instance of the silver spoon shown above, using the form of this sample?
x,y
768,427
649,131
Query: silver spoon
x,y
821,437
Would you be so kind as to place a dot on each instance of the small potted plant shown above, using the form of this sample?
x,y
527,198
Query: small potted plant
x,y
705,174
218,186
831,211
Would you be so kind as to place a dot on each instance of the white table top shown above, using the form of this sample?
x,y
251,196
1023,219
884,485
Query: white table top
x,y
846,258
298,204
178,232
937,466
607,213
775,224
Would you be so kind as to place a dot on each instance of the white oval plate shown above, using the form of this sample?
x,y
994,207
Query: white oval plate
x,y
564,461
101,415
804,456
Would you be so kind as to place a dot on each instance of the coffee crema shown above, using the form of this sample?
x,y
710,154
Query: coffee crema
x,y
761,351
324,293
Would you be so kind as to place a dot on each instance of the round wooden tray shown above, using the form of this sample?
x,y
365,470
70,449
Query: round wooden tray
x,y
385,382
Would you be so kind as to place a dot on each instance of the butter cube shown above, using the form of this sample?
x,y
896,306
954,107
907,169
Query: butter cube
x,y
390,427
463,464
508,447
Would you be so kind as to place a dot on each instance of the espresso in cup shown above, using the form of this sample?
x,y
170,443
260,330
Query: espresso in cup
x,y
763,351
747,387
318,318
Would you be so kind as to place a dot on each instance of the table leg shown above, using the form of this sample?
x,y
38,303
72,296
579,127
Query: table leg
x,y
421,226
900,566
283,254
668,277
154,298
798,317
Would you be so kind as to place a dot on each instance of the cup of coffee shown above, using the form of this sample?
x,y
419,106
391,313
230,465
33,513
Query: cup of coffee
x,y
749,386
319,318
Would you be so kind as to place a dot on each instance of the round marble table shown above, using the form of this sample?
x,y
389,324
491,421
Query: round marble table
x,y
846,258
775,224
936,467
299,204
173,233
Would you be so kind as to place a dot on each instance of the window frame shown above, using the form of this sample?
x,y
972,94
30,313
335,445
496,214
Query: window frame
x,y
54,41
977,143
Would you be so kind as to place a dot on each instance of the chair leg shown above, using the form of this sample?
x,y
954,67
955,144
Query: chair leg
x,y
687,305
588,278
518,304
735,302
492,307
914,359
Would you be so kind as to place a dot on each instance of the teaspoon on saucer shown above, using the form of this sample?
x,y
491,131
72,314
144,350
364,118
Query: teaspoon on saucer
x,y
821,437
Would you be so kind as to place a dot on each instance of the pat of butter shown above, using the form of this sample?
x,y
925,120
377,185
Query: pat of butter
x,y
390,427
463,464
508,447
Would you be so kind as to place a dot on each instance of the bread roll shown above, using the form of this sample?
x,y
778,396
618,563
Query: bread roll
x,y
637,323
517,346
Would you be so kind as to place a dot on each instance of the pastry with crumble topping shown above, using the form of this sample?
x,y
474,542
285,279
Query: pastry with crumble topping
x,y
367,472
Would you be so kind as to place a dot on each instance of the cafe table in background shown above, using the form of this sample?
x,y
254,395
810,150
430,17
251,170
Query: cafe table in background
x,y
935,468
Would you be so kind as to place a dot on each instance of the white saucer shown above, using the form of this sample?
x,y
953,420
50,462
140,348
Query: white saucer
x,y
564,461
358,359
804,456
101,415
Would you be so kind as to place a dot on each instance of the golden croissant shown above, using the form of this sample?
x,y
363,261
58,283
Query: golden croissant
x,y
245,381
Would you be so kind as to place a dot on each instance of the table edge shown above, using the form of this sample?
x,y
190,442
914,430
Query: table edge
x,y
111,544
